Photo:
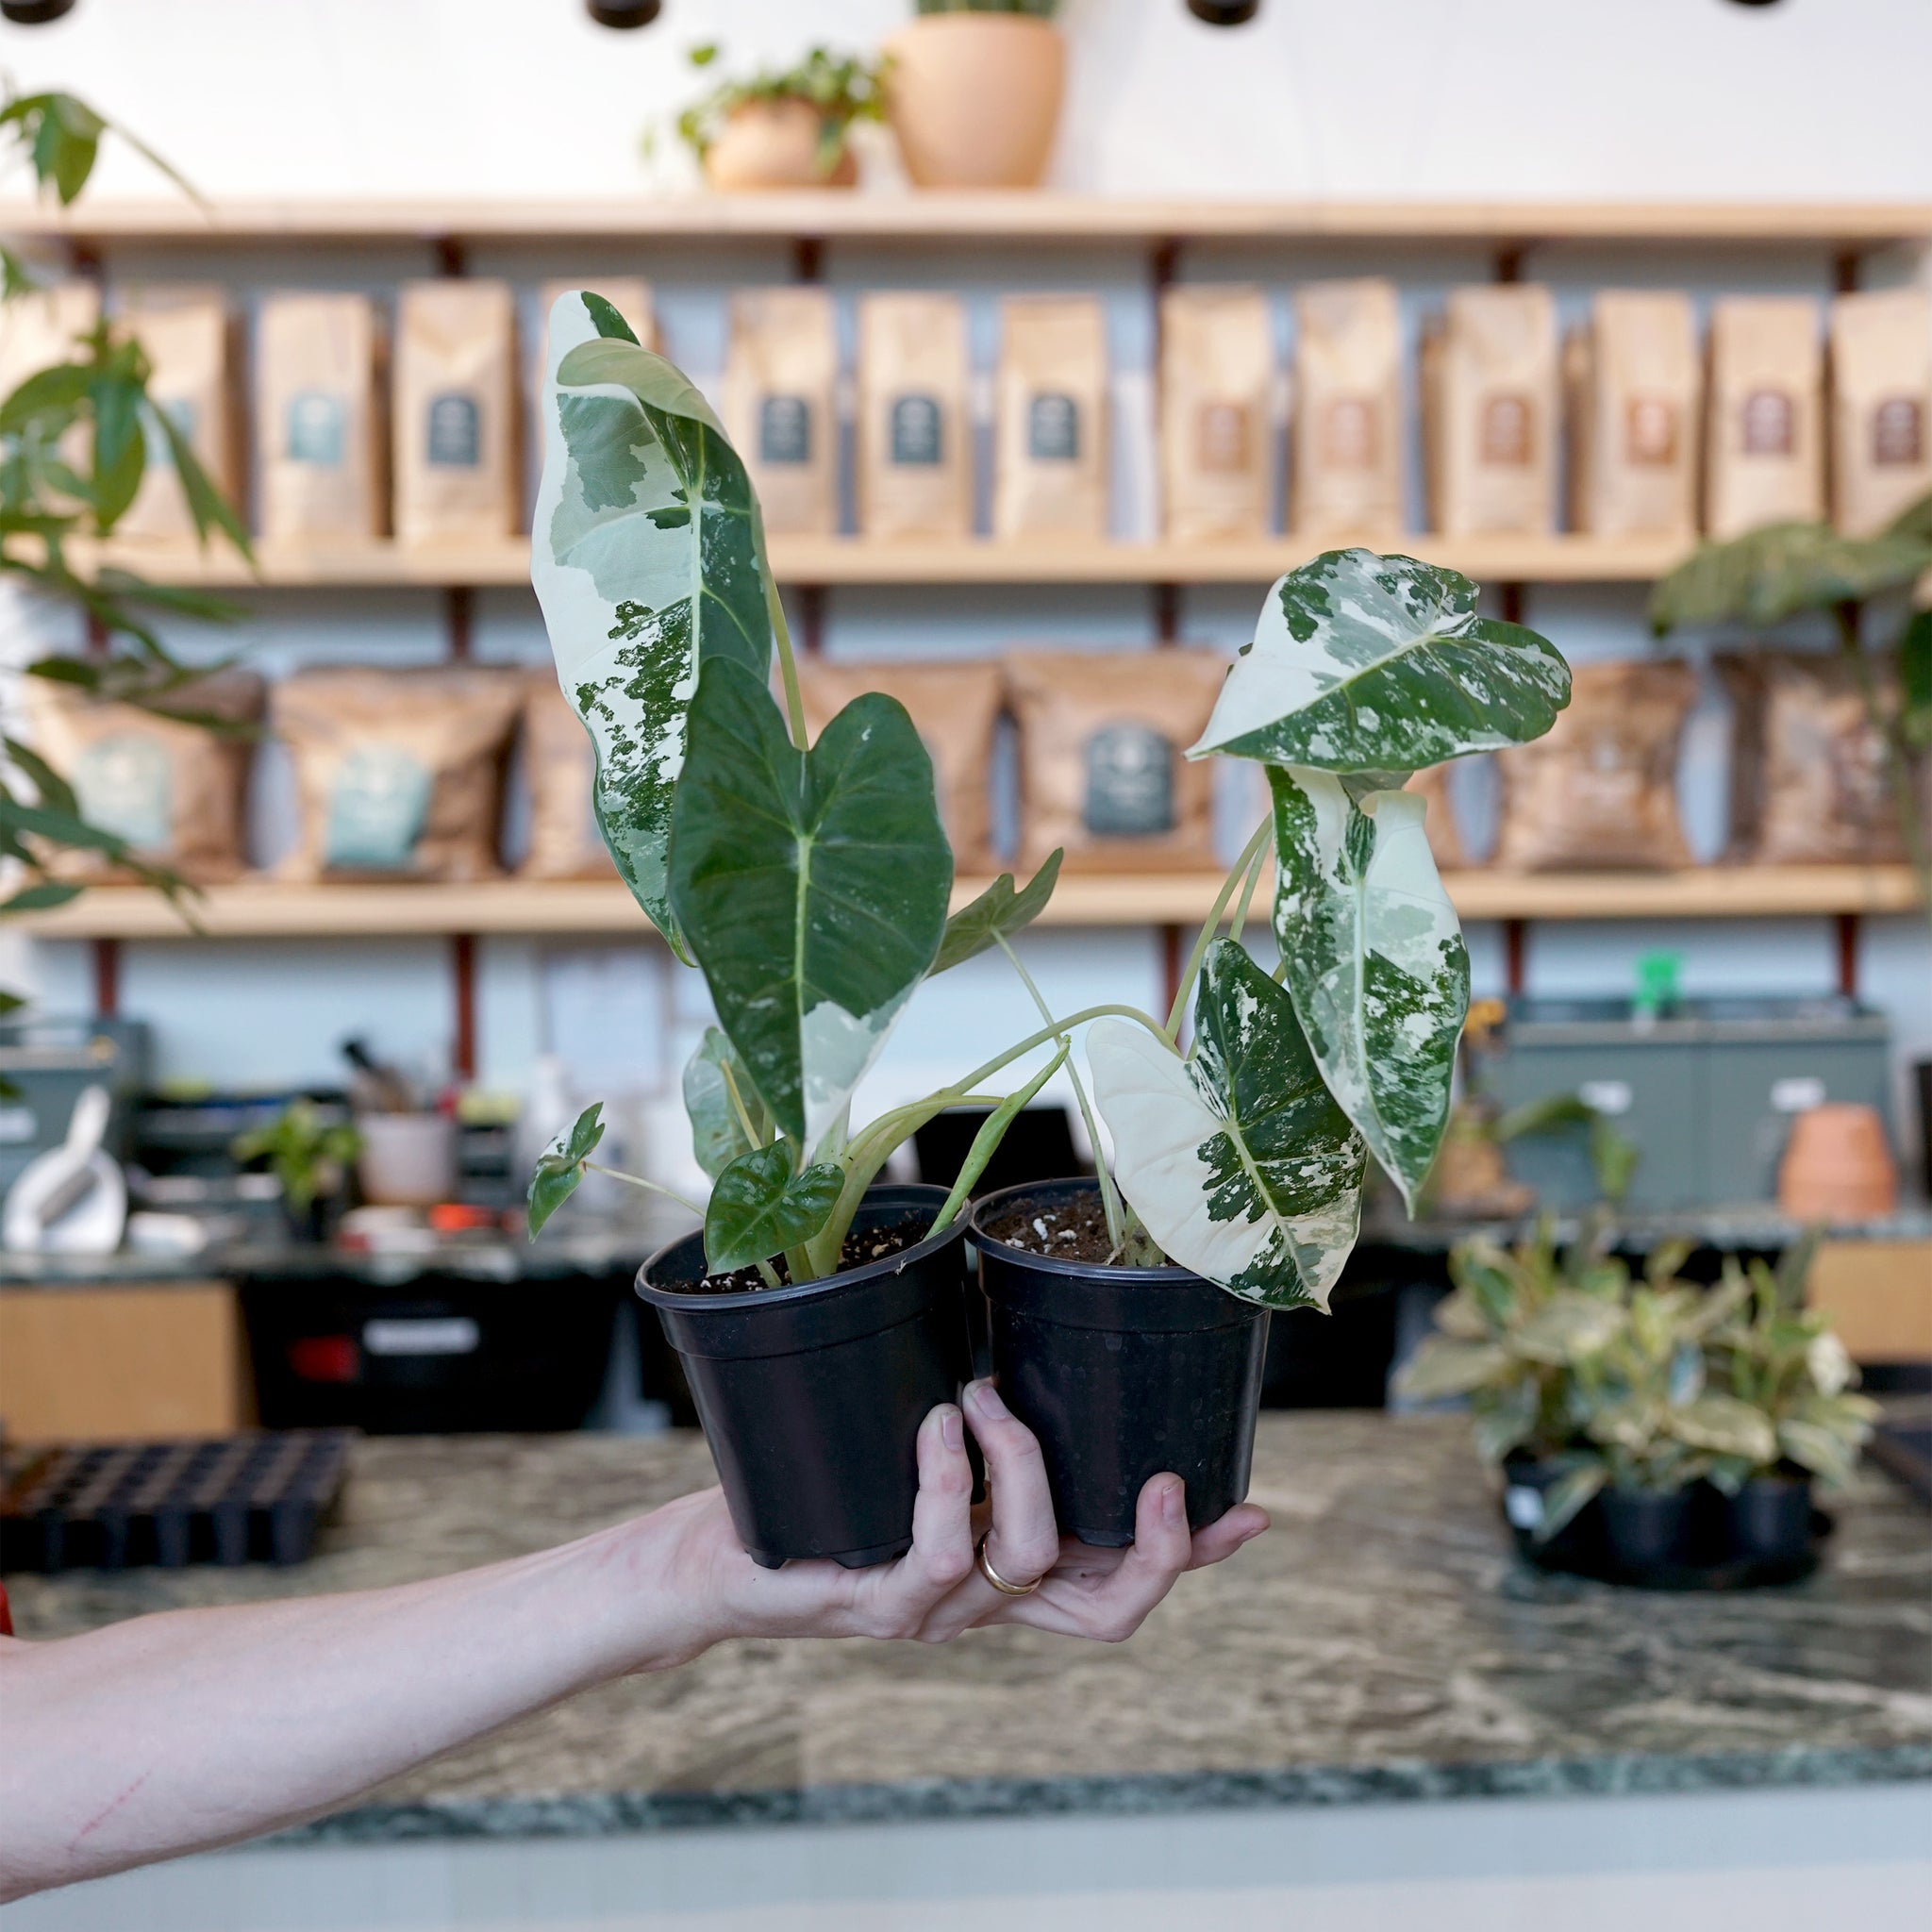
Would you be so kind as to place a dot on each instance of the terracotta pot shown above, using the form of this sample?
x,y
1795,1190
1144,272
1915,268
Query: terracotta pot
x,y
773,144
975,98
1837,1166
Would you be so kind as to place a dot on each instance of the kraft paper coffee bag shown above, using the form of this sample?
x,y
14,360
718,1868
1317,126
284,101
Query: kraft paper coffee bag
x,y
561,770
1634,374
1101,771
455,412
781,405
1489,412
398,771
186,334
315,419
1764,457
1217,451
1051,431
915,432
1881,406
1346,437
955,709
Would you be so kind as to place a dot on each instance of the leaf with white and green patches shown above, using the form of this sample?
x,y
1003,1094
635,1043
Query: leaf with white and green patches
x,y
560,1171
1236,1159
811,886
1375,961
649,562
1378,664
997,914
717,1117
759,1208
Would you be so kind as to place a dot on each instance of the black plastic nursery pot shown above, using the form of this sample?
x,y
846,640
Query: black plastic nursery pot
x,y
1648,1530
1121,1373
1769,1521
812,1396
1526,1483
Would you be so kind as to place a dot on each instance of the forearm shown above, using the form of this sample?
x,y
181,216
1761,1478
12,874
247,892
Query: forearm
x,y
193,1730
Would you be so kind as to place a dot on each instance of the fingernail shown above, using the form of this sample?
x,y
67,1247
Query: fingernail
x,y
986,1399
1171,1498
951,1432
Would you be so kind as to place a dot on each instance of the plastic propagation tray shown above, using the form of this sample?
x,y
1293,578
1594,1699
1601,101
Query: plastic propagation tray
x,y
227,1500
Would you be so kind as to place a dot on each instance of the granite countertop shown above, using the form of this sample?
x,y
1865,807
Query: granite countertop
x,y
1382,1643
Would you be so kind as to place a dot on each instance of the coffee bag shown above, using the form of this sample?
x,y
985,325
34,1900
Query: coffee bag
x,y
1346,478
1599,791
561,770
186,335
1881,406
1763,442
1051,433
1101,771
1489,412
915,430
1634,376
316,418
1217,450
455,412
398,771
955,709
781,405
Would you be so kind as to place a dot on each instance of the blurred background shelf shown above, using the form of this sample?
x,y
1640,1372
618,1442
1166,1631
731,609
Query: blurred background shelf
x,y
273,910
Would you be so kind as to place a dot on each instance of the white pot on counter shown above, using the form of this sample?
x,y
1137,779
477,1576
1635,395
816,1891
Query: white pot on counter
x,y
407,1159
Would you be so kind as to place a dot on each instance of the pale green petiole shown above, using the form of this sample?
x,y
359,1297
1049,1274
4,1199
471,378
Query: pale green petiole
x,y
1248,862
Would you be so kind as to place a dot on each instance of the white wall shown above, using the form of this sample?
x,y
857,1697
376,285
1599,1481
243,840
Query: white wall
x,y
1504,98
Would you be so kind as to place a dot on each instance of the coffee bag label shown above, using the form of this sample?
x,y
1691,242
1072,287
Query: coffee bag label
x,y
1769,420
916,434
454,434
1351,433
1130,788
784,429
1650,431
317,429
124,785
1898,432
1504,438
1220,438
1053,427
377,808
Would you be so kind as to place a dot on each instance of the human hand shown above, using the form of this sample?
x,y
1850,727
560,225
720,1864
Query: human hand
x,y
935,1590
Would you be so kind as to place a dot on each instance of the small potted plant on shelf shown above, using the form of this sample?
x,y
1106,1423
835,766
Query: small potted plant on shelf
x,y
312,1151
974,89
784,127
809,882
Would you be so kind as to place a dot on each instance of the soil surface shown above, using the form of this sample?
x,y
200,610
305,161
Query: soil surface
x,y
874,1245
1075,1232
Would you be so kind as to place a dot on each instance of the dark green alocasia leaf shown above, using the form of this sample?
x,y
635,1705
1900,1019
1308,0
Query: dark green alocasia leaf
x,y
759,1208
1376,966
717,1132
1914,521
560,1172
1380,664
1774,573
998,913
648,560
812,887
1236,1159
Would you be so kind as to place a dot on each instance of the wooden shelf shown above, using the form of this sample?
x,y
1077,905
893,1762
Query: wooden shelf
x,y
266,909
822,560
1016,216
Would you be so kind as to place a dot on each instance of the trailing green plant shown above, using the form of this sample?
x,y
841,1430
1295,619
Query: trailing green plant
x,y
310,1153
841,88
809,882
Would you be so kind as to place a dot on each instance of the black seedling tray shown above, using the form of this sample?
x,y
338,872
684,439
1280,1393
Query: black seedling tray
x,y
114,1506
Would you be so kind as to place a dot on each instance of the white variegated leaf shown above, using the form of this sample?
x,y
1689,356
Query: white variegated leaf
x,y
1236,1159
1376,966
1369,663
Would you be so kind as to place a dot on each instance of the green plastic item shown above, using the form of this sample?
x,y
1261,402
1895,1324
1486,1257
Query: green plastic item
x,y
1657,983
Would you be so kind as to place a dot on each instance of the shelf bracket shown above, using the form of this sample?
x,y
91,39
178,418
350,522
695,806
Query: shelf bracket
x,y
107,965
1847,933
462,965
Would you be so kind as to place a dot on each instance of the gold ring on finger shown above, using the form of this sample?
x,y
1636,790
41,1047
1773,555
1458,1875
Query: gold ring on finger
x,y
994,1576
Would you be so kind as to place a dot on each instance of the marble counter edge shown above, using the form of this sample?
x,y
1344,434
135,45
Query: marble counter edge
x,y
601,1814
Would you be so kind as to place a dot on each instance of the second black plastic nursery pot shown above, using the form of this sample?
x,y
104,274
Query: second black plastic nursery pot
x,y
1121,1373
1769,1521
811,1395
1648,1530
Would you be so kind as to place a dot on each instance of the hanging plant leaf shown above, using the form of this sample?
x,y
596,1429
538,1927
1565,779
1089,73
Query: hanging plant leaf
x,y
717,1132
560,1172
1774,573
1377,965
759,1208
998,913
648,560
1380,664
1236,1159
812,886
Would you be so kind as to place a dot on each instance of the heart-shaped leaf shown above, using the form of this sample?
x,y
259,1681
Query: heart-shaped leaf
x,y
1774,573
759,1208
560,1172
717,1125
1368,663
998,913
648,559
812,886
1376,966
1236,1159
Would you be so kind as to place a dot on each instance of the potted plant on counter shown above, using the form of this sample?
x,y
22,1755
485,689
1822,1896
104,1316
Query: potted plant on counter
x,y
784,127
974,89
